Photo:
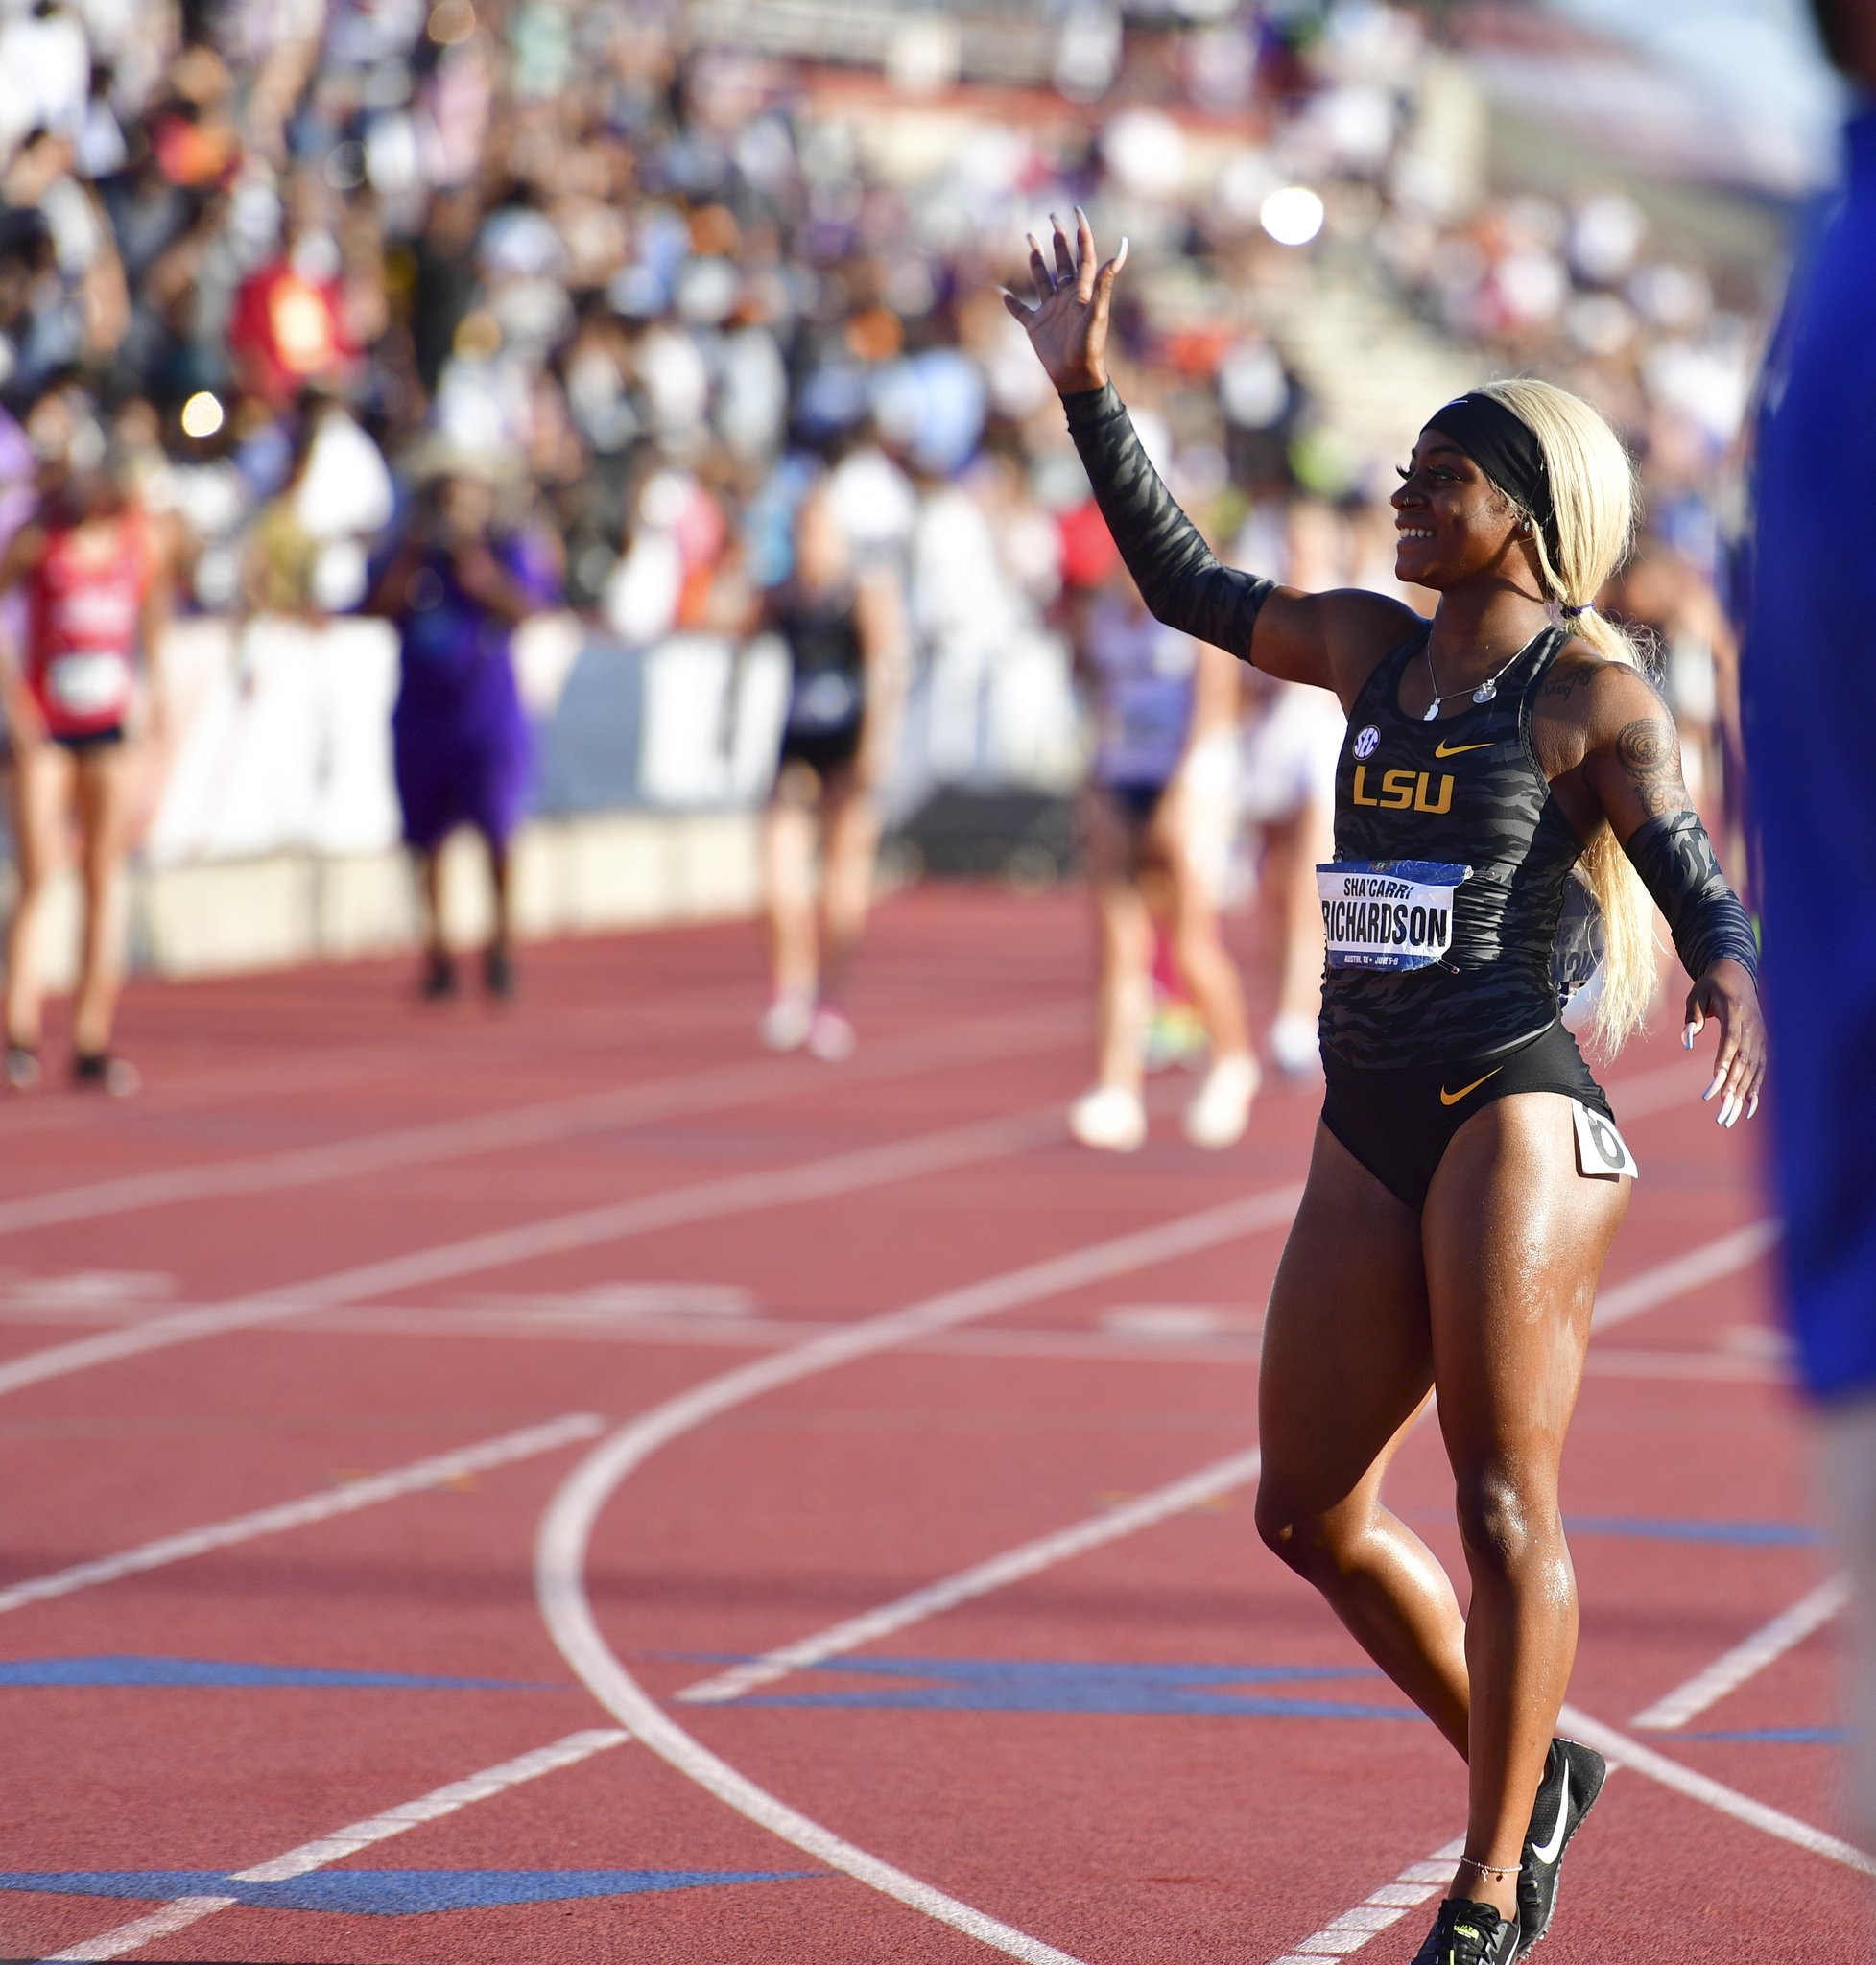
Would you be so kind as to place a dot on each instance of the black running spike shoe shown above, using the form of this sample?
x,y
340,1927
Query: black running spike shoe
x,y
1573,1779
1467,1933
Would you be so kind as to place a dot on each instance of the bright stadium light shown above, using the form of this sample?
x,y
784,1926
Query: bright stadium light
x,y
201,414
1292,216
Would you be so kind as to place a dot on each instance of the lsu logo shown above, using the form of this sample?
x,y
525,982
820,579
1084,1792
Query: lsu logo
x,y
1367,743
1405,791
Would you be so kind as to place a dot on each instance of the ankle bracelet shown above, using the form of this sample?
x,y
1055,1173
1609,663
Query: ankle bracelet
x,y
1490,1869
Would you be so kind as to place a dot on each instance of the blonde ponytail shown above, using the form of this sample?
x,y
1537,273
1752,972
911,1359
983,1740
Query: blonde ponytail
x,y
1593,486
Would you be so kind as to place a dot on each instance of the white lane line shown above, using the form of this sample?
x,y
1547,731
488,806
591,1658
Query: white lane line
x,y
705,1200
314,1508
183,1912
566,1528
1418,1884
522,1126
1030,1559
1722,1256
1724,1676
1354,1926
1619,1750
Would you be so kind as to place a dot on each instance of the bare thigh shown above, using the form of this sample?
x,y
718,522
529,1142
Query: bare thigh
x,y
1347,1346
1515,1240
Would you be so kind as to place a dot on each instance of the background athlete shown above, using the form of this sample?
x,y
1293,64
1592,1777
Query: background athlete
x,y
1160,699
97,590
1453,1227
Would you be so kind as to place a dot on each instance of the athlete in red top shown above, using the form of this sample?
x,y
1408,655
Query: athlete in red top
x,y
97,593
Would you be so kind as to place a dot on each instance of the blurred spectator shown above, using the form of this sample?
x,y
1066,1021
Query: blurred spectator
x,y
455,588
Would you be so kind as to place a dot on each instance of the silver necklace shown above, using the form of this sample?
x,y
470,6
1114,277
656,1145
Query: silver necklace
x,y
1484,691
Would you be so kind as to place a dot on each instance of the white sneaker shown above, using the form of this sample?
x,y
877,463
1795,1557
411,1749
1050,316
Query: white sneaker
x,y
831,1038
1110,1118
1293,1046
785,1022
1219,1115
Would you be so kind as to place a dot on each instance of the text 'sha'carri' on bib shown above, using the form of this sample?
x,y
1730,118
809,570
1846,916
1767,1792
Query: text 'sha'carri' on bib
x,y
1388,914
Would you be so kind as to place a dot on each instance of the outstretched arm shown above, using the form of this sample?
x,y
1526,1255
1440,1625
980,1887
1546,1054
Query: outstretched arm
x,y
1327,639
1633,767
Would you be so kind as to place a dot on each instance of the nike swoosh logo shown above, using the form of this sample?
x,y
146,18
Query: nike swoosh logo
x,y
1553,1848
1447,1098
1445,749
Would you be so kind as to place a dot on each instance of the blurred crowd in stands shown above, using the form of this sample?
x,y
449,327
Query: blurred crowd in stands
x,y
283,250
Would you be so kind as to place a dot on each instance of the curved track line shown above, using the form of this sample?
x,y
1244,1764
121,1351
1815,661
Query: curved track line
x,y
525,1125
323,1507
566,1528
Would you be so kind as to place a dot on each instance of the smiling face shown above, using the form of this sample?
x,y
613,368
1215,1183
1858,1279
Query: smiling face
x,y
1451,522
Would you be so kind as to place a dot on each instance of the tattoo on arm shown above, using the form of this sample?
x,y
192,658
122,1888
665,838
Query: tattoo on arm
x,y
1562,683
1649,753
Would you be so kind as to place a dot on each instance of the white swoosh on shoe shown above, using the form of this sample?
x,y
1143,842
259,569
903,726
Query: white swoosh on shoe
x,y
1553,1848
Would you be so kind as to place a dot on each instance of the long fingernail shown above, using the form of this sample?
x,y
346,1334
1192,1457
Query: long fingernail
x,y
1687,1037
1732,1119
1752,1105
1080,214
1710,1090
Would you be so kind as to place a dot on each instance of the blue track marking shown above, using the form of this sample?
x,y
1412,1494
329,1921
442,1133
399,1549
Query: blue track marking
x,y
1000,1685
1746,1534
214,1672
386,1892
1777,1735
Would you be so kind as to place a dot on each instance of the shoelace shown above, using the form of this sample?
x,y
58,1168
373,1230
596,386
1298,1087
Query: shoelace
x,y
1466,1940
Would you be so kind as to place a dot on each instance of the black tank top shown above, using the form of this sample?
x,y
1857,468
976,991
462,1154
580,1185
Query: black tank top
x,y
1466,789
827,663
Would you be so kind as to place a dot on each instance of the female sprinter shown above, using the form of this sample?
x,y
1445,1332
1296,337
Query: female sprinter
x,y
98,593
1467,1179
845,636
1160,701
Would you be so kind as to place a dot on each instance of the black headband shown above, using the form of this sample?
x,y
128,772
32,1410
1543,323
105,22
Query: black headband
x,y
1506,448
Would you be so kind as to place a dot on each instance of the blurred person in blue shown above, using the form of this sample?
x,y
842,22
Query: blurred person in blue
x,y
455,588
1160,698
1810,675
843,628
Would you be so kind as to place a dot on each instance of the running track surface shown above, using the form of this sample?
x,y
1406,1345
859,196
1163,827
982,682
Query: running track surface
x,y
390,1395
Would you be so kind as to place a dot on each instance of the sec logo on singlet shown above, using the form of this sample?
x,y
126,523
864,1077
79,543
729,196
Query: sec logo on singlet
x,y
1368,742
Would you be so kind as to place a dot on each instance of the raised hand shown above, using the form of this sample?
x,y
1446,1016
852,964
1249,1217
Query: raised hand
x,y
1068,325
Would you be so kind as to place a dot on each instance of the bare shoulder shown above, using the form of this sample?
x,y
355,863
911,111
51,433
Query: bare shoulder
x,y
1333,639
1596,697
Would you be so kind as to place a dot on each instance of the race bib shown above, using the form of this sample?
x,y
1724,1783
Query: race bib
x,y
1602,1151
1388,914
823,701
90,682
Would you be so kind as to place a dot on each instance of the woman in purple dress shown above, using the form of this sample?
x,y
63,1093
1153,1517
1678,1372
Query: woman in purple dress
x,y
455,589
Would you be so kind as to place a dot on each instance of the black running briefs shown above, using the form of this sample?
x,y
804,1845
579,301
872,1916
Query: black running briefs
x,y
1398,1121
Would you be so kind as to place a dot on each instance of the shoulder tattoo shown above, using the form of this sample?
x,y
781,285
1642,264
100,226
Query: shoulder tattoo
x,y
1649,753
1563,680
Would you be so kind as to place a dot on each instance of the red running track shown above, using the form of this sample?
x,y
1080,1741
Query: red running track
x,y
389,1396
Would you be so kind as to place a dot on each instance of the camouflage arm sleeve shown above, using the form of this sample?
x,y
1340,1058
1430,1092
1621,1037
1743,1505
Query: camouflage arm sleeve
x,y
1178,575
1676,860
